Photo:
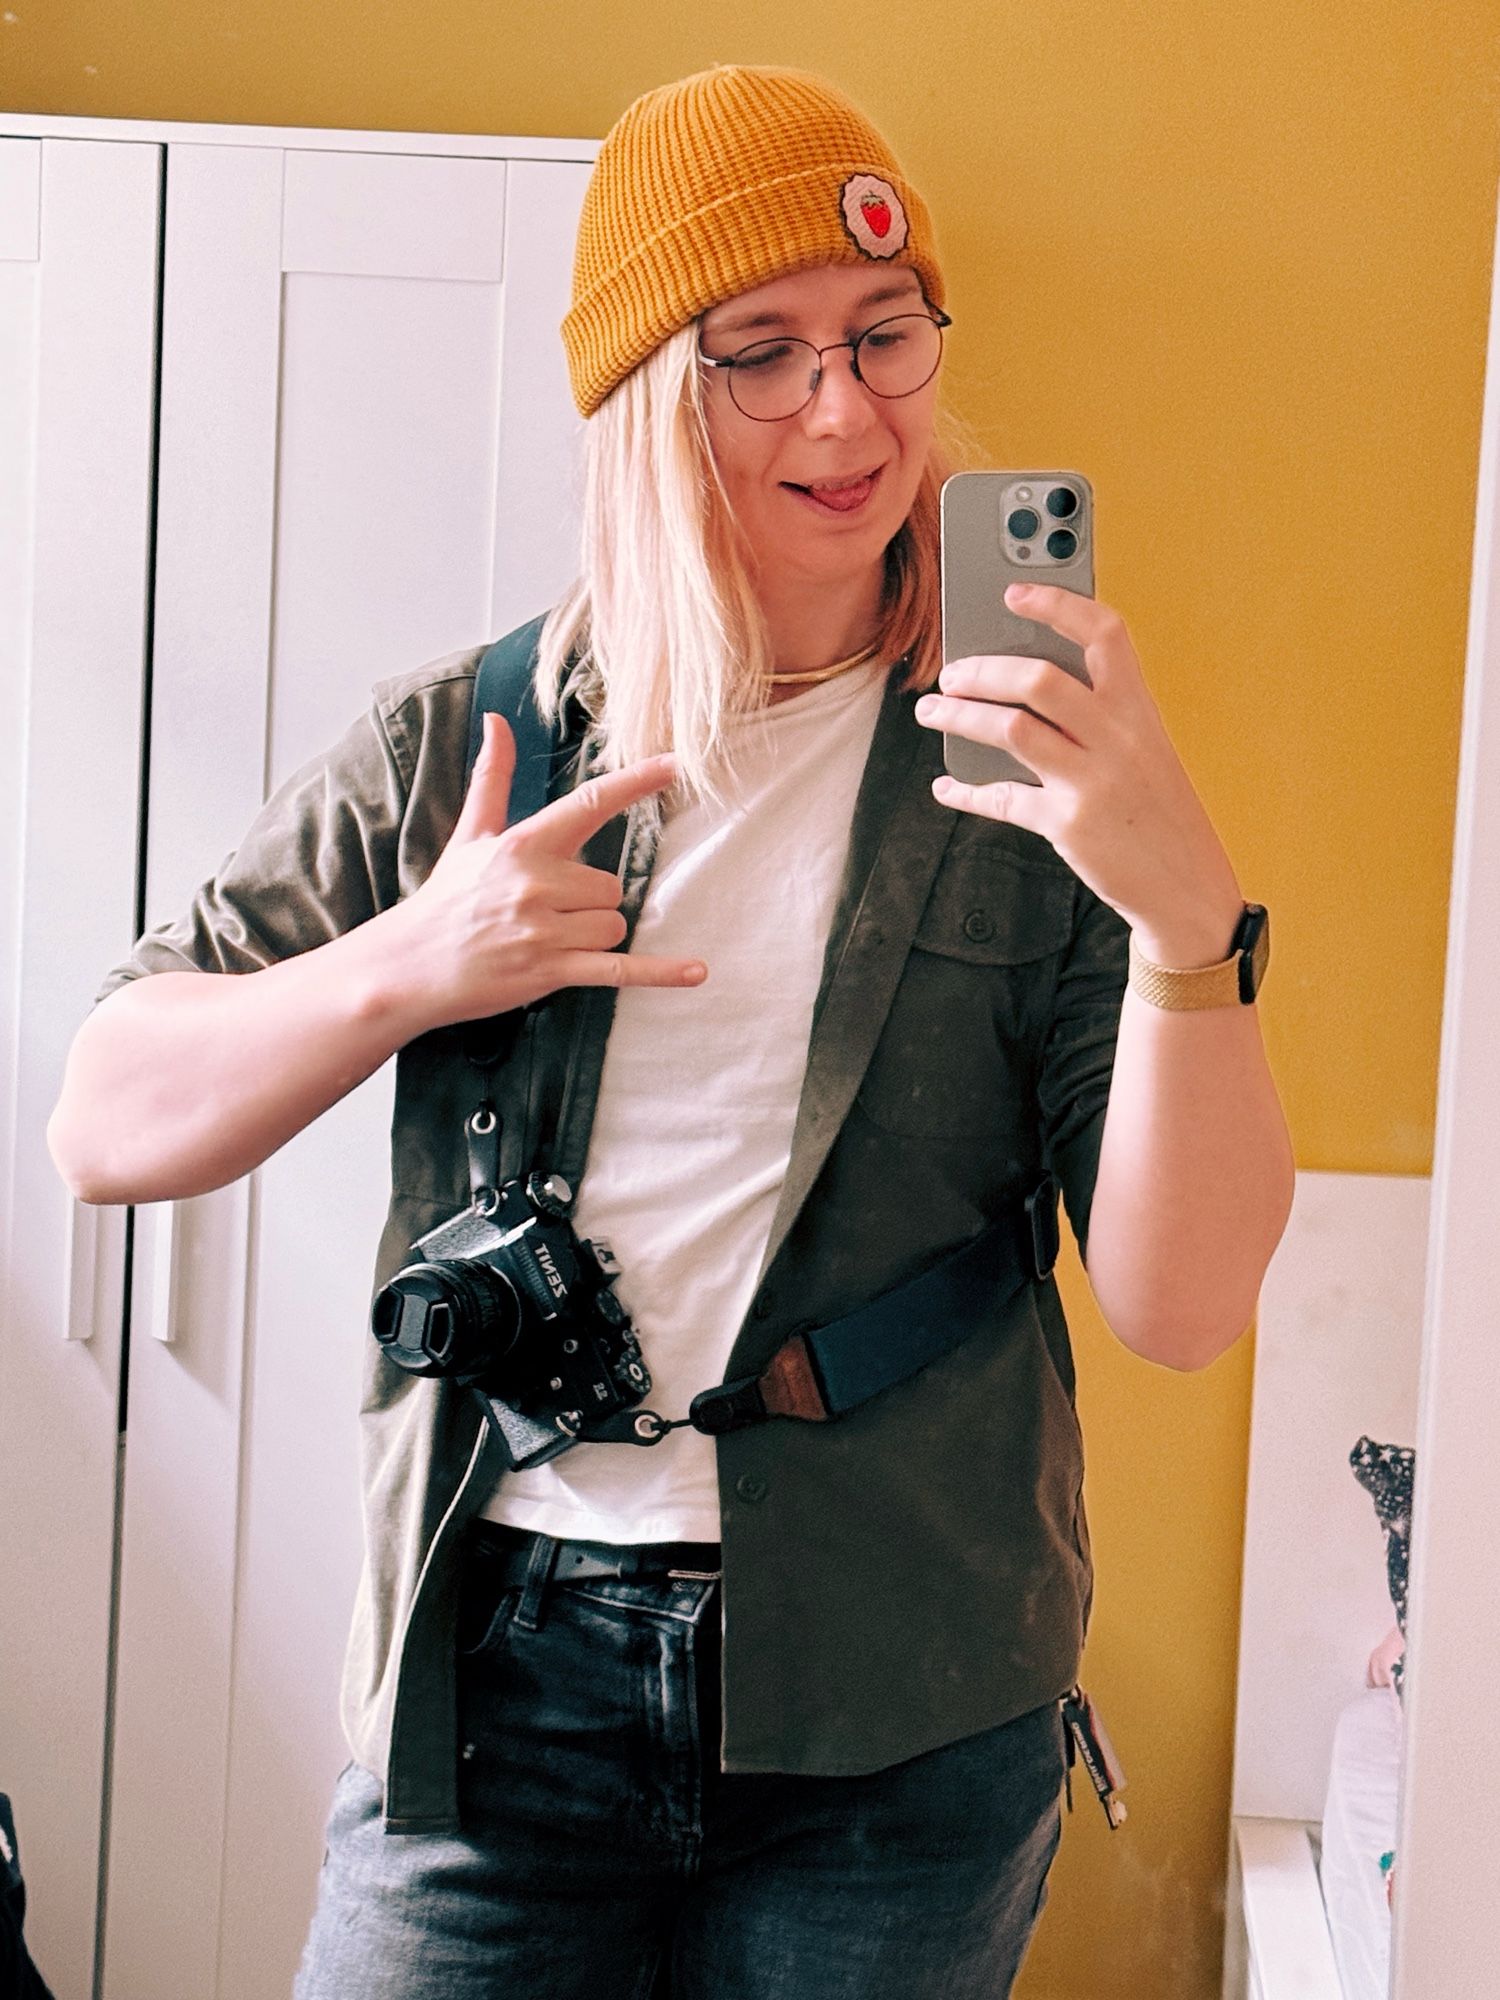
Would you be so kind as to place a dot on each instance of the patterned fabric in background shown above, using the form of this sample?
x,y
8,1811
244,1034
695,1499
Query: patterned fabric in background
x,y
1386,1472
19,1978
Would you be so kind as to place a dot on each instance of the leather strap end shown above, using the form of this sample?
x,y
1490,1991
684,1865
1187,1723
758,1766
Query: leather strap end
x,y
790,1386
729,1406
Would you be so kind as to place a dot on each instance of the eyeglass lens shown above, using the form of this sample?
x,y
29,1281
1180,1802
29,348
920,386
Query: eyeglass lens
x,y
775,378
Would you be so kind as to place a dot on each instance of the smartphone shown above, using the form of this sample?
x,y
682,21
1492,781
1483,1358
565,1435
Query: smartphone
x,y
999,528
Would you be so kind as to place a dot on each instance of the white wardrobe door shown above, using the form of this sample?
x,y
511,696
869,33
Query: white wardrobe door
x,y
368,459
78,283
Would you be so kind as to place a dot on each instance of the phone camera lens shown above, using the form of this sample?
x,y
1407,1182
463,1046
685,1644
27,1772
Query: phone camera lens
x,y
1023,523
1061,544
1061,502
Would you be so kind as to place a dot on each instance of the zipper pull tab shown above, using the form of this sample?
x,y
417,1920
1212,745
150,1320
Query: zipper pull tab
x,y
1088,1739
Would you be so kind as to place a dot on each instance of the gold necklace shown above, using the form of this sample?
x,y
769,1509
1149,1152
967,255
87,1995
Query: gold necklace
x,y
816,674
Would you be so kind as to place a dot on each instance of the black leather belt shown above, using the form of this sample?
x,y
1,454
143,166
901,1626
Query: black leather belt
x,y
516,1548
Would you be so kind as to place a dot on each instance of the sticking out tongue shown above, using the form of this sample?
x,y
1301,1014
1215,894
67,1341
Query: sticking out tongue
x,y
840,499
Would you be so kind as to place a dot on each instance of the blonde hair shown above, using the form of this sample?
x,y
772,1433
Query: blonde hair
x,y
661,639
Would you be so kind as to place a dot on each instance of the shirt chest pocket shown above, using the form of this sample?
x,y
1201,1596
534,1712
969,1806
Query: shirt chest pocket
x,y
958,1056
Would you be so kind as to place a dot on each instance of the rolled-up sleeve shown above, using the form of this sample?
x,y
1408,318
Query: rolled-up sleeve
x,y
1079,1053
321,856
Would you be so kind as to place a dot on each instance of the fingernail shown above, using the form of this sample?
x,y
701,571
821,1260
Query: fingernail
x,y
1016,591
927,705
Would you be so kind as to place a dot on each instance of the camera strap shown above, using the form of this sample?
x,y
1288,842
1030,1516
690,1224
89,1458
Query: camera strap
x,y
505,682
825,1372
818,1373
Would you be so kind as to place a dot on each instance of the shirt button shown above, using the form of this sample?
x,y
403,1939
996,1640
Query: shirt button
x,y
978,927
750,1487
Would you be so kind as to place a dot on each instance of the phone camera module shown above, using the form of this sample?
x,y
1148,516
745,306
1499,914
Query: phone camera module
x,y
1061,544
1062,502
1023,523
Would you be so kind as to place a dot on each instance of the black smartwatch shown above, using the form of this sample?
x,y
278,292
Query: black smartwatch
x,y
1252,942
1234,980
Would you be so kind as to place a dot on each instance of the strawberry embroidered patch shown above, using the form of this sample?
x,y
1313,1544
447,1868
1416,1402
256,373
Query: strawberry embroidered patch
x,y
873,215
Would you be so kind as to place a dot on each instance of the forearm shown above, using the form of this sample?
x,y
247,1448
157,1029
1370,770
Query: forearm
x,y
183,1081
1196,1169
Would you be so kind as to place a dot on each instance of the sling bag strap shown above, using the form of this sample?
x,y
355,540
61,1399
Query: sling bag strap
x,y
820,1372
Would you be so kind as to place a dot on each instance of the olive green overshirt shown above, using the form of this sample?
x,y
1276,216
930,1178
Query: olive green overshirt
x,y
910,1574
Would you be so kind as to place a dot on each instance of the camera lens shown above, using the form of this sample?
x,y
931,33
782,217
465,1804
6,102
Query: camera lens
x,y
1023,523
1061,502
458,1318
1061,543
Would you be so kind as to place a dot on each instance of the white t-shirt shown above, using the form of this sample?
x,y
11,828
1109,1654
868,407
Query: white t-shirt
x,y
699,1095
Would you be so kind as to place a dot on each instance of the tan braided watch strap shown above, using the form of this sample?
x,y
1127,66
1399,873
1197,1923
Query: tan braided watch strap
x,y
1227,984
1182,991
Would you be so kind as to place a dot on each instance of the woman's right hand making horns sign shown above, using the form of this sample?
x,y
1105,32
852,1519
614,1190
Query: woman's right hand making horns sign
x,y
508,914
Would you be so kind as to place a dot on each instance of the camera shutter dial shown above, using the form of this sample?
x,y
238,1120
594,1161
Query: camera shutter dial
x,y
550,1194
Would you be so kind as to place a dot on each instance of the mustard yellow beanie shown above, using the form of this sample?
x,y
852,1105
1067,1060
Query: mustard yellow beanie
x,y
707,187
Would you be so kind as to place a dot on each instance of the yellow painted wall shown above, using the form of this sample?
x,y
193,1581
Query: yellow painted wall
x,y
1233,261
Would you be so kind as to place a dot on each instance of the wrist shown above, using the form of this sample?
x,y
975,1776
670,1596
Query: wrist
x,y
382,963
1192,939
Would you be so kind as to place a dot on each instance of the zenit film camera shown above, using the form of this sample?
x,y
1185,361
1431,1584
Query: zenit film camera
x,y
511,1302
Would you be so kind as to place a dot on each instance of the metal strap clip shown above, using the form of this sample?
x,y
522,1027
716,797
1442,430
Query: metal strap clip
x,y
1046,1237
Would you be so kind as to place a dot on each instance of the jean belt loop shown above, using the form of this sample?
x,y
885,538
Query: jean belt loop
x,y
539,1568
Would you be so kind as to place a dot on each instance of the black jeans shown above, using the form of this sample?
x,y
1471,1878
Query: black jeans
x,y
604,1855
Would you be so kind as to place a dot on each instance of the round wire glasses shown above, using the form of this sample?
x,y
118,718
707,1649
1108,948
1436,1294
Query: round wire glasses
x,y
772,379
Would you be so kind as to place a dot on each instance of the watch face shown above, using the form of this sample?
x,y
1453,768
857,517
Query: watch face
x,y
1253,942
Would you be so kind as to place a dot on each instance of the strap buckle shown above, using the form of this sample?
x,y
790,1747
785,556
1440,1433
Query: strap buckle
x,y
1046,1237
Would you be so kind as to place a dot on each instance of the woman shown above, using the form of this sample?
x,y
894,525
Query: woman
x,y
775,1712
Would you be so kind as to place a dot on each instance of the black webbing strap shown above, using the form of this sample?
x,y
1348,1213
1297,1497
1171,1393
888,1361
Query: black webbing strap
x,y
832,1369
505,683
